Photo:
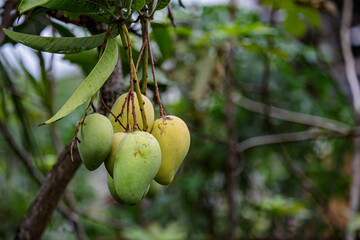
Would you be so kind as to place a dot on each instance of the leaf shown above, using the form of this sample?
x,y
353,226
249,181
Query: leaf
x,y
163,39
137,5
86,60
92,83
57,44
294,25
312,15
63,31
162,4
65,5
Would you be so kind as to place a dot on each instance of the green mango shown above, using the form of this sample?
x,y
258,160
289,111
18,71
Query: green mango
x,y
111,187
96,138
137,161
109,162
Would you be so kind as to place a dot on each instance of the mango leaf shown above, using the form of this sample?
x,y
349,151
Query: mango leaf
x,y
162,4
312,15
137,5
92,83
84,6
163,39
57,44
86,60
63,31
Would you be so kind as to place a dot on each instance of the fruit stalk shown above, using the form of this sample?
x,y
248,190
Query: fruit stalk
x,y
75,138
125,38
153,69
145,57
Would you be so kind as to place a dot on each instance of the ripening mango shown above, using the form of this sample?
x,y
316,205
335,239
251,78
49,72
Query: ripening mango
x,y
96,138
174,138
116,109
109,162
137,161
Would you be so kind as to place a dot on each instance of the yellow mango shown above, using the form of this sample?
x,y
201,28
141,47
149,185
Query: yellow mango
x,y
137,161
109,162
116,109
96,138
174,138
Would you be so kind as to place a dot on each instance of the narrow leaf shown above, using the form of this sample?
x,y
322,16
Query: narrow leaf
x,y
65,5
163,39
57,44
92,83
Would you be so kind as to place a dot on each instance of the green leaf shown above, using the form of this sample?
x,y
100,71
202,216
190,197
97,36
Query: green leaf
x,y
138,5
86,60
63,31
163,39
312,15
294,25
92,83
65,5
162,4
57,45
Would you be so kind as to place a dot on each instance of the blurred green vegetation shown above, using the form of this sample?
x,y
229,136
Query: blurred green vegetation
x,y
282,189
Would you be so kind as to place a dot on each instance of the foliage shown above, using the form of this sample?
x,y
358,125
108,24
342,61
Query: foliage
x,y
282,189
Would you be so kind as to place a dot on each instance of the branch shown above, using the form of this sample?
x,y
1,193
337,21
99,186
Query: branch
x,y
295,117
350,71
8,18
21,153
39,214
281,138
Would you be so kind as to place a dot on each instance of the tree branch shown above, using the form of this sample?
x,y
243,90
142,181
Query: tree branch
x,y
8,18
291,116
353,81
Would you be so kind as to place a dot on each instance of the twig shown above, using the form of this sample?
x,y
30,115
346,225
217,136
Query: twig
x,y
21,153
109,110
295,117
75,138
171,16
153,71
125,38
281,138
140,54
144,79
353,81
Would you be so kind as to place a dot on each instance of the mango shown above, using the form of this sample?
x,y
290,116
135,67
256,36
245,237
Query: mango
x,y
137,161
109,162
111,187
116,109
174,138
96,138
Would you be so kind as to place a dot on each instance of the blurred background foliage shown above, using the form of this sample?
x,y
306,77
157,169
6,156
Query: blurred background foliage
x,y
291,190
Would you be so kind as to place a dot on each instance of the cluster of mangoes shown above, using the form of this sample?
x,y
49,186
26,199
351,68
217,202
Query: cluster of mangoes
x,y
133,159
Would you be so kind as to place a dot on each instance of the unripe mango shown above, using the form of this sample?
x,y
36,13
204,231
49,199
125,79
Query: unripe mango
x,y
111,187
116,109
174,138
96,137
109,162
137,161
